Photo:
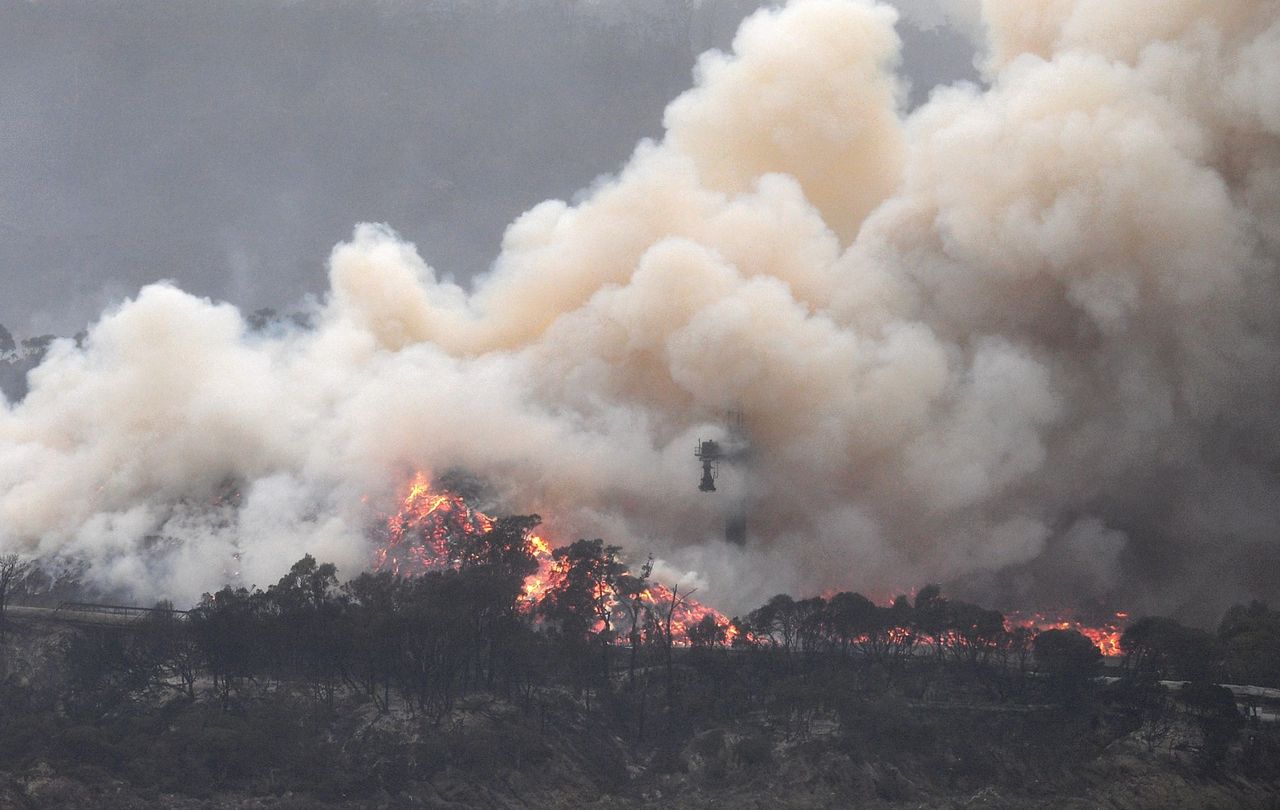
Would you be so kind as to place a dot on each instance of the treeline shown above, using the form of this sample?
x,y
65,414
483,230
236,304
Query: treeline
x,y
426,641
612,643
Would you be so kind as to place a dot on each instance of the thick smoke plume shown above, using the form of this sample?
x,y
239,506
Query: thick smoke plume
x,y
1025,340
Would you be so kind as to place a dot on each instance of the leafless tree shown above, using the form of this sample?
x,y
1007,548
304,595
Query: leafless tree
x,y
12,569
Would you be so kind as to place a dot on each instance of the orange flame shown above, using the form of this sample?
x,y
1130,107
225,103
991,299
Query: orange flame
x,y
1105,636
430,526
419,535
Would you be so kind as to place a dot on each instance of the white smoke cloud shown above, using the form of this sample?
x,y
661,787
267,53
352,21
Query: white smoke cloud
x,y
1026,329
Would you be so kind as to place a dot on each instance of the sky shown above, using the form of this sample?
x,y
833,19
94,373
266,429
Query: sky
x,y
229,146
1020,336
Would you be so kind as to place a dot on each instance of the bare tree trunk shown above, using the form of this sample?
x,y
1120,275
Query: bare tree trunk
x,y
11,569
635,649
667,643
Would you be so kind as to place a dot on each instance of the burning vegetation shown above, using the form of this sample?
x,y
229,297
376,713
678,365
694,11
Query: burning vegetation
x,y
516,659
963,337
436,530
479,657
1105,635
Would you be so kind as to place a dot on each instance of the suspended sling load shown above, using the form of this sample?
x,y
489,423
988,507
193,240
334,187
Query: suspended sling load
x,y
736,449
709,454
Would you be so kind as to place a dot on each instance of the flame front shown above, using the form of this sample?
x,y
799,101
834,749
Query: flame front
x,y
421,534
1104,635
432,530
431,526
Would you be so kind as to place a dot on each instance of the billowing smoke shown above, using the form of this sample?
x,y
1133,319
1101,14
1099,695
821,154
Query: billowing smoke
x,y
1025,340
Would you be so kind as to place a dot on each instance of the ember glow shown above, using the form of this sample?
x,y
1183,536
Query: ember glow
x,y
433,529
1104,635
423,534
686,613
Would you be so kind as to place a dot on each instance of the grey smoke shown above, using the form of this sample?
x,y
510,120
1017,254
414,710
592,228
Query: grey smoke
x,y
1022,339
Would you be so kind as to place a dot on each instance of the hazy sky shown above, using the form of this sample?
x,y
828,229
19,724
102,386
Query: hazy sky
x,y
230,145
1027,343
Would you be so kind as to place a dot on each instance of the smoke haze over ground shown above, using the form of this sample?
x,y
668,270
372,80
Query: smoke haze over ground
x,y
1022,339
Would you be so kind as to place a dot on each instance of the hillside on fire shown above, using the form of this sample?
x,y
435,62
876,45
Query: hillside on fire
x,y
640,403
477,666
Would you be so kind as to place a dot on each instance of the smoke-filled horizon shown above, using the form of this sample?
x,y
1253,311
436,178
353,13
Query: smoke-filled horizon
x,y
1022,339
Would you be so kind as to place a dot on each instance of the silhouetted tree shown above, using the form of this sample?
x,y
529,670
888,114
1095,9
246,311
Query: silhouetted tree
x,y
1014,657
811,624
854,620
898,628
661,631
1213,708
306,608
104,671
373,627
777,623
581,602
633,592
931,616
707,633
504,549
1069,660
1250,637
12,569
167,645
969,634
229,630
1167,649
